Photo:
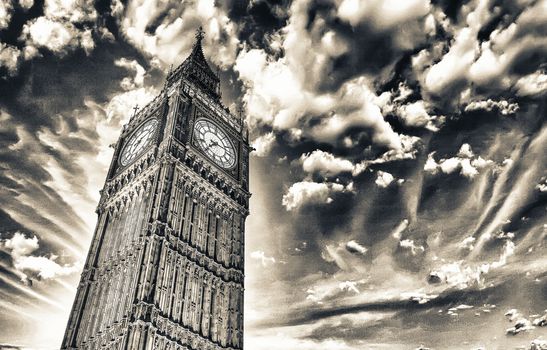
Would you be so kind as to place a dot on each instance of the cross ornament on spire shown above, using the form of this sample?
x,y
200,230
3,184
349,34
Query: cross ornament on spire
x,y
135,109
199,33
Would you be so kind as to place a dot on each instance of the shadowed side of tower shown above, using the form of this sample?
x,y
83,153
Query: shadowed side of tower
x,y
165,266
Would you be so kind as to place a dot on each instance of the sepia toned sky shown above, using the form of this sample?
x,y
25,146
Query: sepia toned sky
x,y
399,179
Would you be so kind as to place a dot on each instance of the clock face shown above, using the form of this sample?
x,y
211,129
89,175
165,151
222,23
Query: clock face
x,y
138,141
215,143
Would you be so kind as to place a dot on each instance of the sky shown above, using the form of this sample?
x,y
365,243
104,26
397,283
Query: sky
x,y
399,179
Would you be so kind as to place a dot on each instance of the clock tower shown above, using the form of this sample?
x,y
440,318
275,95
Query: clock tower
x,y
165,266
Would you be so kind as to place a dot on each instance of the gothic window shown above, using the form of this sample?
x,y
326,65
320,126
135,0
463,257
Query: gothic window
x,y
192,222
217,236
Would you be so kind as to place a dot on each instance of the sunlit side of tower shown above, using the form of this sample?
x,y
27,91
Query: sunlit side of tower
x,y
165,266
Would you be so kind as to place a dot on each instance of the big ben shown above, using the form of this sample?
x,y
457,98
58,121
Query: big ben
x,y
165,267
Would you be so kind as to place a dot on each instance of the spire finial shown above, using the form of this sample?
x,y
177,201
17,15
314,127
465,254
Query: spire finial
x,y
199,34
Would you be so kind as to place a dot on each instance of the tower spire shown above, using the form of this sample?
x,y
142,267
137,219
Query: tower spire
x,y
196,69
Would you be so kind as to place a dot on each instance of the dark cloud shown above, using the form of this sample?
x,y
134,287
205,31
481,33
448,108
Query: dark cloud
x,y
258,20
473,297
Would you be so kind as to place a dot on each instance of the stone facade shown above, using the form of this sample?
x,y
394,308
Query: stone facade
x,y
165,266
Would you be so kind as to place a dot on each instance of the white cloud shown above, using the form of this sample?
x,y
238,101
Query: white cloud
x,y
5,13
418,296
132,65
382,14
455,64
26,4
400,229
263,144
308,192
542,185
465,162
538,344
30,52
9,58
349,286
502,106
62,28
384,179
21,248
521,325
86,41
21,245
459,275
407,150
353,105
53,35
354,247
466,151
415,115
325,163
409,244
467,243
484,64
532,84
540,321
70,10
508,251
265,260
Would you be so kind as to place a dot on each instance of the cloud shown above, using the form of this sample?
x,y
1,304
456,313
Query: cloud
x,y
59,37
21,245
9,58
132,65
356,248
288,91
521,325
538,344
263,144
409,244
64,26
265,260
540,321
490,64
465,162
458,275
415,115
6,9
308,192
408,150
467,243
165,29
325,163
275,95
504,107
26,4
534,84
542,186
348,286
382,14
333,93
70,11
384,179
20,248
